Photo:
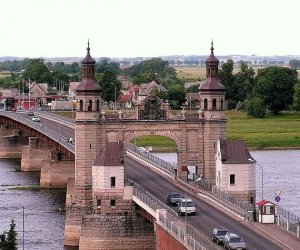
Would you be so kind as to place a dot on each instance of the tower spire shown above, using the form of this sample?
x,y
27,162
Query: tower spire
x,y
212,46
88,47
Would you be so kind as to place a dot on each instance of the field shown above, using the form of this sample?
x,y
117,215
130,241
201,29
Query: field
x,y
272,132
4,74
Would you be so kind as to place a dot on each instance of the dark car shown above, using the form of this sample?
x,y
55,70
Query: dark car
x,y
218,234
30,113
173,198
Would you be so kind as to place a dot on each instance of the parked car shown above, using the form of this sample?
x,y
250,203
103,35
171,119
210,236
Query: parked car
x,y
173,198
218,234
30,113
186,206
233,241
35,119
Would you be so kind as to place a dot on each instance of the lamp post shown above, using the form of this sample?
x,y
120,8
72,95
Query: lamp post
x,y
262,177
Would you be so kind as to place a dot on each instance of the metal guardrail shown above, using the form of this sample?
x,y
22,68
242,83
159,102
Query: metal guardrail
x,y
159,163
288,221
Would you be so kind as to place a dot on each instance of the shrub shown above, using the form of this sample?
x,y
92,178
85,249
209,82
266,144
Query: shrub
x,y
256,107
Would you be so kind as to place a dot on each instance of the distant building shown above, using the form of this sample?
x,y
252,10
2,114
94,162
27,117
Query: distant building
x,y
145,89
72,88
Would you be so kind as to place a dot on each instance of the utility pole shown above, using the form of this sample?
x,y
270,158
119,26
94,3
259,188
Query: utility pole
x,y
23,228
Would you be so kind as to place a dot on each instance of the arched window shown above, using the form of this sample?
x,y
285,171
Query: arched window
x,y
222,104
205,103
214,104
98,106
90,105
81,105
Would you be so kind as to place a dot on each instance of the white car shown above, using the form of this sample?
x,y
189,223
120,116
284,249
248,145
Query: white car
x,y
186,206
35,119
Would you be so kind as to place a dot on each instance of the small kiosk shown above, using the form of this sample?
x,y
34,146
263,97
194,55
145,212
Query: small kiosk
x,y
266,211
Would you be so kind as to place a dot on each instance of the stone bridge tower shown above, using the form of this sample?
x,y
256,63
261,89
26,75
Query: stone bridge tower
x,y
212,106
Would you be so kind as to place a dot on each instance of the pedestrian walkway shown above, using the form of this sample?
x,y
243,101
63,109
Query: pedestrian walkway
x,y
273,232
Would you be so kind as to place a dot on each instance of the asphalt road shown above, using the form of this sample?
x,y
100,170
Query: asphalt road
x,y
207,216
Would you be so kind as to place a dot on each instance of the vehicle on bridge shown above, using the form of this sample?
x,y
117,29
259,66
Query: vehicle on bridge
x,y
30,113
174,198
35,119
186,206
233,241
218,235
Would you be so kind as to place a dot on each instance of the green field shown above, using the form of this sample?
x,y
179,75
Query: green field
x,y
272,132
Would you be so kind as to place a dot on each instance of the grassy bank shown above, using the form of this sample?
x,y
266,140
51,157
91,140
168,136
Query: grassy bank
x,y
281,131
272,132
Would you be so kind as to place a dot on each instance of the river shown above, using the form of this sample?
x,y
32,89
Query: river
x,y
44,223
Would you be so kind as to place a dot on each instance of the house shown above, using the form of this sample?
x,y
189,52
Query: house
x,y
235,169
145,89
125,82
38,89
72,88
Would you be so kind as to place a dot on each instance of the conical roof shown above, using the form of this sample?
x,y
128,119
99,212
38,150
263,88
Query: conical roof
x,y
88,59
212,59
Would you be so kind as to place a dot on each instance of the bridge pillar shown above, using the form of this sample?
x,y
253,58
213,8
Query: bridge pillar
x,y
33,154
55,172
11,145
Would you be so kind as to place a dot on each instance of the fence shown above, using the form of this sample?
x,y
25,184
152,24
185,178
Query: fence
x,y
159,163
288,221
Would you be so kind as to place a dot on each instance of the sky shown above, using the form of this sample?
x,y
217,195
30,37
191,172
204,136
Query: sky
x,y
148,28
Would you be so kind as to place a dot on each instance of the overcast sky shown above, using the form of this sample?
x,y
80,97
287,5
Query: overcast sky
x,y
130,28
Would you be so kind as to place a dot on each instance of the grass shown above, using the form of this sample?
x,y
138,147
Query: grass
x,y
158,143
281,131
191,73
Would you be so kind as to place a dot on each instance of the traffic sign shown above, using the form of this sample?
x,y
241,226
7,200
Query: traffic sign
x,y
277,192
277,198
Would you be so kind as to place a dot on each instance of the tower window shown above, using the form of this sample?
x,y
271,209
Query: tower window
x,y
81,105
222,104
208,71
90,105
232,179
205,103
112,203
98,202
112,182
214,104
97,106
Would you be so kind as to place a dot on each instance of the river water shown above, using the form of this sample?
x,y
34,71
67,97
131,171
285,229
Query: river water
x,y
44,223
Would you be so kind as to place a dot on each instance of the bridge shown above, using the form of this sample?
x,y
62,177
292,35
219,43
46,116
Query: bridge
x,y
118,201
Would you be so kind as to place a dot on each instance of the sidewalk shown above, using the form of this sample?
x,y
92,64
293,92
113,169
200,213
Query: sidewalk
x,y
276,234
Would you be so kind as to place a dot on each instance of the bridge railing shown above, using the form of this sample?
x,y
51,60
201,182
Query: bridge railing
x,y
159,163
168,219
41,128
288,221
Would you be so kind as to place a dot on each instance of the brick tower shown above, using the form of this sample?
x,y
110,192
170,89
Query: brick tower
x,y
212,103
86,148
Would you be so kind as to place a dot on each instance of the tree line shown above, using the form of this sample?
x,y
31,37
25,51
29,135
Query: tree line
x,y
273,88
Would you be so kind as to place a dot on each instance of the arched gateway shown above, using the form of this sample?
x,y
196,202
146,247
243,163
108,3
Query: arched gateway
x,y
196,137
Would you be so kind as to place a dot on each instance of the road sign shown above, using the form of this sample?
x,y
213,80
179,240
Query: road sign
x,y
277,192
277,198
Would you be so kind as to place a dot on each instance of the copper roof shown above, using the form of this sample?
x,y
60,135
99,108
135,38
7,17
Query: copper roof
x,y
111,155
88,59
212,84
234,152
88,84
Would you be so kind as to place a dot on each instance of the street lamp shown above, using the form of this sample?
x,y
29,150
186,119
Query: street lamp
x,y
262,177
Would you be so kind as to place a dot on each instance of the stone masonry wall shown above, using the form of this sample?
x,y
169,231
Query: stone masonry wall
x,y
165,241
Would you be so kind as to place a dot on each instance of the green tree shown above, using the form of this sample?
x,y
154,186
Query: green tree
x,y
244,81
111,86
193,89
176,96
275,86
228,80
35,70
11,239
296,97
256,107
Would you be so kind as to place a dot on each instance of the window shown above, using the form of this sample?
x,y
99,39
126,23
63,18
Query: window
x,y
222,104
98,202
98,106
112,203
232,179
214,104
268,210
112,182
205,103
90,105
81,105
